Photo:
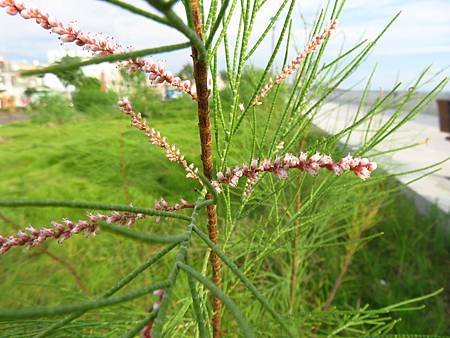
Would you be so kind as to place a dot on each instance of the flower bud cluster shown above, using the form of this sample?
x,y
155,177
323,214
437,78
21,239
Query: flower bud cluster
x,y
69,33
154,136
98,45
295,64
163,205
361,167
159,75
32,237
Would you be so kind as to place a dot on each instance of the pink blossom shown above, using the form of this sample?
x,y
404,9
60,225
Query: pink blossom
x,y
61,231
295,64
361,167
98,45
162,204
154,136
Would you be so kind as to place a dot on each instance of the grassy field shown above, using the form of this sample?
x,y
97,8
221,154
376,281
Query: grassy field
x,y
104,159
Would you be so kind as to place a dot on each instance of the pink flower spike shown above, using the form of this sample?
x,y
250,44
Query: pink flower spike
x,y
31,237
12,10
280,167
290,69
154,137
96,44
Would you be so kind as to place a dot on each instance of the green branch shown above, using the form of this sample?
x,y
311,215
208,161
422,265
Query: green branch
x,y
89,205
244,280
179,25
173,275
37,312
142,237
197,308
138,11
143,323
120,284
217,23
109,58
231,305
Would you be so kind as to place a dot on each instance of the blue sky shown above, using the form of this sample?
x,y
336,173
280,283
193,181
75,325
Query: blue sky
x,y
420,37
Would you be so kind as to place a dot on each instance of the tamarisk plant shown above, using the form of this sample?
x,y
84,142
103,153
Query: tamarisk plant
x,y
277,116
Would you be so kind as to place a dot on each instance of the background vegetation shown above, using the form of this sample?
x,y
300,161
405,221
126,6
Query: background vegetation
x,y
78,156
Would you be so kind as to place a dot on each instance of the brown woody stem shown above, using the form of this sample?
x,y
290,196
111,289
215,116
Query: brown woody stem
x,y
204,124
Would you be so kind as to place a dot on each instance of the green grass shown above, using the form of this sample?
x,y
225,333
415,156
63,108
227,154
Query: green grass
x,y
104,159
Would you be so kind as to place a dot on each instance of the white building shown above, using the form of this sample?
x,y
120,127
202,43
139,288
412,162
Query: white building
x,y
13,87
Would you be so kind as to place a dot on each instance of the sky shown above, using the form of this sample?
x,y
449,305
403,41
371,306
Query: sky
x,y
420,37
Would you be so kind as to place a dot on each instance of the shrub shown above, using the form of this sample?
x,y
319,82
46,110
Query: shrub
x,y
52,107
278,212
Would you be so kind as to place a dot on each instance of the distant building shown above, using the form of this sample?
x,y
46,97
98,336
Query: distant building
x,y
13,88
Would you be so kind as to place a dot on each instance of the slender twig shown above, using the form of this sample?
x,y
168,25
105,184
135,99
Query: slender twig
x,y
108,58
123,282
197,308
89,205
138,11
294,255
37,312
143,237
248,284
173,275
349,256
54,257
243,323
219,18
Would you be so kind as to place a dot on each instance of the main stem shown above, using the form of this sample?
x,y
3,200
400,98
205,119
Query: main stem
x,y
204,124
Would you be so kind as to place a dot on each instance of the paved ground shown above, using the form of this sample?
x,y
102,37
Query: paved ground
x,y
10,117
434,188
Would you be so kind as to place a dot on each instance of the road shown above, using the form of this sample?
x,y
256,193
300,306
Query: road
x,y
7,117
435,187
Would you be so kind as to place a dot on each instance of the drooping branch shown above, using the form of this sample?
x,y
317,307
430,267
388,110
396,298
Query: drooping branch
x,y
90,205
31,237
118,286
154,136
98,45
38,312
